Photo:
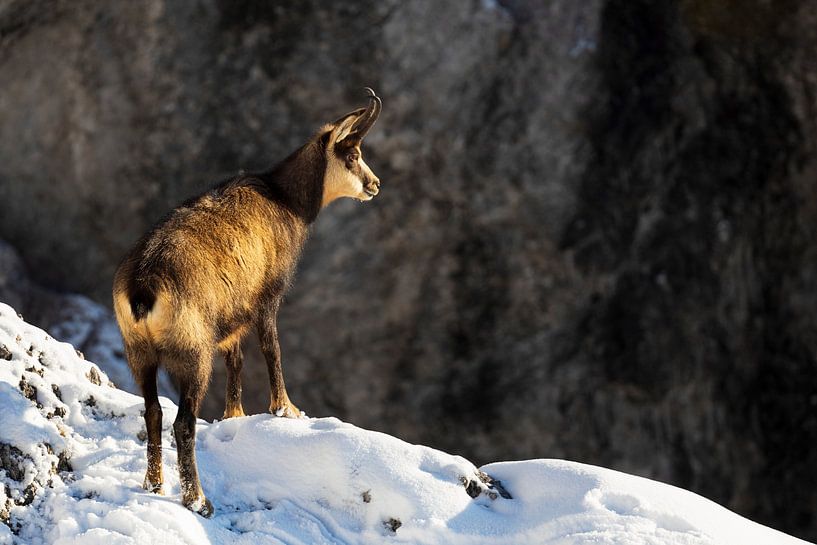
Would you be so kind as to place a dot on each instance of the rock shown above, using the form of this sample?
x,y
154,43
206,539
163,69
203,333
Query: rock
x,y
12,460
14,283
392,524
93,376
29,391
482,483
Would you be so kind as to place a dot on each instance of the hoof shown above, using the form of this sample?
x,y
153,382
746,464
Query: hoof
x,y
202,506
232,414
288,411
155,488
207,509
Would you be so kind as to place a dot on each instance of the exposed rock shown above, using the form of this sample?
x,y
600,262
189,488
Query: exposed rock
x,y
11,459
482,483
594,239
472,489
93,376
29,391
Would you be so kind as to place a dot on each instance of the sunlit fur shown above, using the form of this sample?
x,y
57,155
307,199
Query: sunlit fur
x,y
215,268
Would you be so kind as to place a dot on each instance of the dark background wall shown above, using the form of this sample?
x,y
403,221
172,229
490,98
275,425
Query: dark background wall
x,y
595,239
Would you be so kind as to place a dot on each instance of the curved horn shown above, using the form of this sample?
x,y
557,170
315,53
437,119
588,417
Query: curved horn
x,y
367,119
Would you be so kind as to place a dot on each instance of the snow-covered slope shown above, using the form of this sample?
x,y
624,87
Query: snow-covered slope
x,y
73,458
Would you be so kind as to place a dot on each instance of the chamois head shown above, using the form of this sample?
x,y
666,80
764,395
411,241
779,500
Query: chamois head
x,y
347,175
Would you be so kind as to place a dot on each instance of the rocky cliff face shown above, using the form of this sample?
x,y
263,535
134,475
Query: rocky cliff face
x,y
595,215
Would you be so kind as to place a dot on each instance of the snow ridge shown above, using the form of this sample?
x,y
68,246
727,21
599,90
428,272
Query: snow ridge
x,y
72,459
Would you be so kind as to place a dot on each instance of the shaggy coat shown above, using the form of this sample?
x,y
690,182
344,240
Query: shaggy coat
x,y
216,267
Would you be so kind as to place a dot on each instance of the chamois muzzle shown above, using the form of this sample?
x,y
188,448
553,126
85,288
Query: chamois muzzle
x,y
372,187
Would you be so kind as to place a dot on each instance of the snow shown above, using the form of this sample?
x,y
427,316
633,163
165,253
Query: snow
x,y
73,454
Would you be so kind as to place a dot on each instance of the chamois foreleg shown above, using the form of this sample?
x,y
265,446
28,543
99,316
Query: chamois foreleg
x,y
144,371
234,360
280,404
192,389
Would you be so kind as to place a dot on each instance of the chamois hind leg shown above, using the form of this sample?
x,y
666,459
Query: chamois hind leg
x,y
280,404
144,367
193,387
234,360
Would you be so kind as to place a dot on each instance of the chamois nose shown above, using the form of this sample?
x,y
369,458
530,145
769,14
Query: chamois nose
x,y
374,187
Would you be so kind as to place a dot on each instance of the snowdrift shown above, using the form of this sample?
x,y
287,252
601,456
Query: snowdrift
x,y
72,457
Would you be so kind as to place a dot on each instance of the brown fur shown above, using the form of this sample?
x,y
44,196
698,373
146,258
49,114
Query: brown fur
x,y
218,266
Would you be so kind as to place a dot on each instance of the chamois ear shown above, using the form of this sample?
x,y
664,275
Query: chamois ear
x,y
325,138
355,125
343,126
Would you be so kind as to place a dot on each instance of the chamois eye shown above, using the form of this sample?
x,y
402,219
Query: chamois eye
x,y
351,159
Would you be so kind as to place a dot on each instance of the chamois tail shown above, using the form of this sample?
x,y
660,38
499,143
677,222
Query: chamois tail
x,y
141,297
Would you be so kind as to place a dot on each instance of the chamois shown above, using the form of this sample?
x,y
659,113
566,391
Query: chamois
x,y
218,265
